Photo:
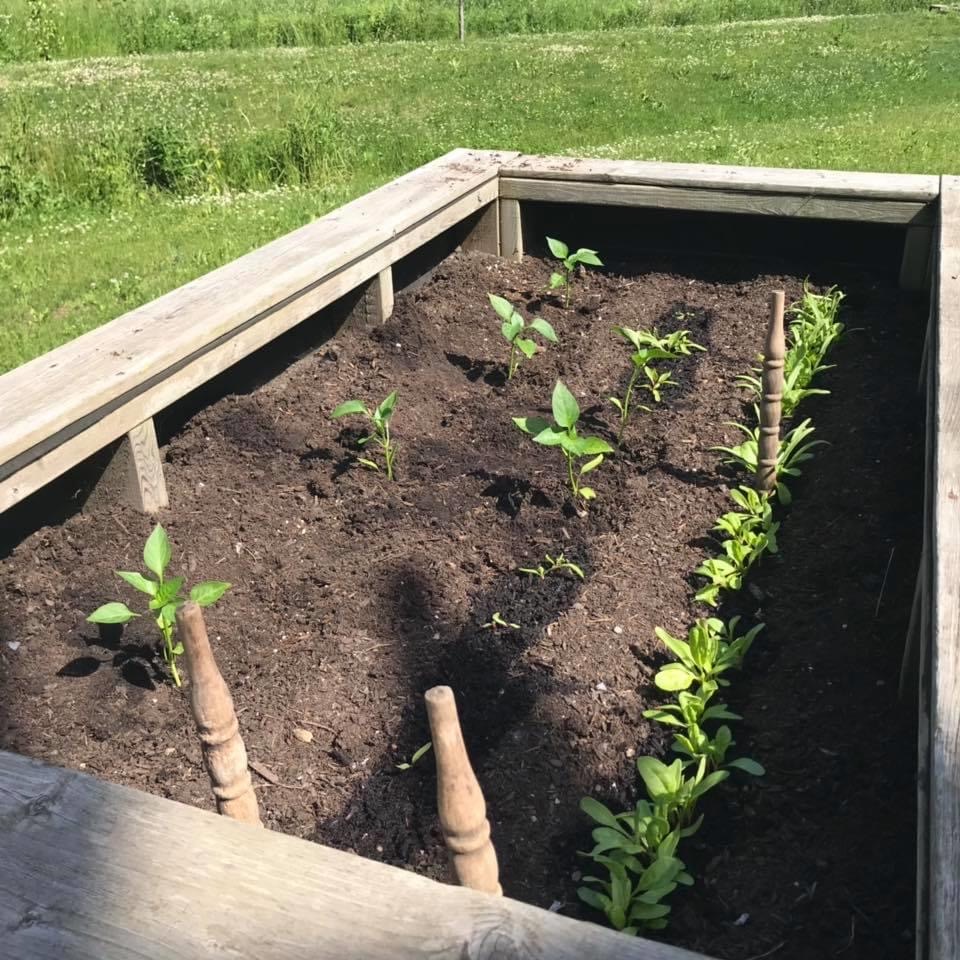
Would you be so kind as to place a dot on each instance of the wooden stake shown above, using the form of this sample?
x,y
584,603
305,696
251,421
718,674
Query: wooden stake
x,y
772,396
463,812
223,750
463,22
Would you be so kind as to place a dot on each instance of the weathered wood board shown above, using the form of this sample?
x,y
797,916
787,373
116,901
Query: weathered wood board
x,y
944,828
93,871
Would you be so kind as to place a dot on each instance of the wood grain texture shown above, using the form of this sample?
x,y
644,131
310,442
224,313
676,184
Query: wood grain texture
x,y
833,183
944,910
485,235
771,396
93,871
98,428
463,811
717,200
53,392
224,754
146,487
511,229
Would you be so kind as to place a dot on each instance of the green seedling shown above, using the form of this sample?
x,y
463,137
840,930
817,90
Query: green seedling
x,y
497,621
722,574
631,898
380,423
418,753
710,650
553,565
165,596
513,326
674,795
812,332
794,450
691,709
563,434
647,348
569,263
695,743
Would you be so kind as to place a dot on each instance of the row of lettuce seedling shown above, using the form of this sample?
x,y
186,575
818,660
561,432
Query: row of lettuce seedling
x,y
637,850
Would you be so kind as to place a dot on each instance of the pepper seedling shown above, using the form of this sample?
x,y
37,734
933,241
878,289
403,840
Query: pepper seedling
x,y
566,413
380,422
553,565
513,326
569,263
417,754
165,596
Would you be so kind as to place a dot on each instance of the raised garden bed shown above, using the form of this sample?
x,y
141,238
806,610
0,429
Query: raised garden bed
x,y
352,595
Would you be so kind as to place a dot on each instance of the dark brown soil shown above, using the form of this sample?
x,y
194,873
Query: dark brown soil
x,y
353,595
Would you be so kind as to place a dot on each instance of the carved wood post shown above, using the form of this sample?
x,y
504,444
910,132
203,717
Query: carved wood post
x,y
463,812
223,750
771,396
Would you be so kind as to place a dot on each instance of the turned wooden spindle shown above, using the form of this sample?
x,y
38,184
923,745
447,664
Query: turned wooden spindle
x,y
771,398
223,751
463,812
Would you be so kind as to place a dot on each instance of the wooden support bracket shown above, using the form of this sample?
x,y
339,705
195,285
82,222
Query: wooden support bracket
x,y
771,399
223,750
511,229
484,236
146,488
375,305
916,261
463,812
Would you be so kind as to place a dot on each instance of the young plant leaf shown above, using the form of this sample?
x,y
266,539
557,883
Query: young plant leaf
x,y
350,406
544,329
504,308
566,410
112,613
139,582
209,592
558,248
157,552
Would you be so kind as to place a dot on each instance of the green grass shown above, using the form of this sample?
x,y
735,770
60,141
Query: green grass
x,y
122,178
43,29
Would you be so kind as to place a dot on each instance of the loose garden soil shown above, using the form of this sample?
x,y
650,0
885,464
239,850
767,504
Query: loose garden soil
x,y
353,595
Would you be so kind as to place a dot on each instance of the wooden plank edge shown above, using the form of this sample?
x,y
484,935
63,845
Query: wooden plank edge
x,y
717,200
458,174
944,903
95,871
837,183
73,444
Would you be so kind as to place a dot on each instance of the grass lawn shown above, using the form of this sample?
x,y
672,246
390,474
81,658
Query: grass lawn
x,y
121,178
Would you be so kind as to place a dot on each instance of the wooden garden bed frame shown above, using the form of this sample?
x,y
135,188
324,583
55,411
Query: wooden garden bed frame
x,y
93,870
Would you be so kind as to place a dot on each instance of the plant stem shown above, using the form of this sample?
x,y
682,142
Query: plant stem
x,y
573,481
512,369
625,412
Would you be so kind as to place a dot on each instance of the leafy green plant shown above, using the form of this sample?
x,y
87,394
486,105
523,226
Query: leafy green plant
x,y
165,596
497,621
722,574
794,450
812,332
692,708
674,794
563,434
647,348
513,326
695,743
380,429
711,649
568,265
631,904
555,564
417,755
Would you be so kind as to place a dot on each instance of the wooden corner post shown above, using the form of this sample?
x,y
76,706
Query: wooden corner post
x,y
463,812
771,398
223,750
